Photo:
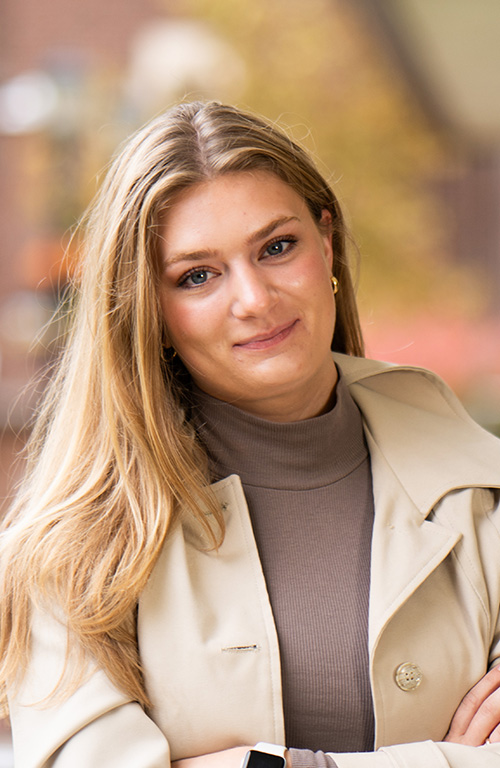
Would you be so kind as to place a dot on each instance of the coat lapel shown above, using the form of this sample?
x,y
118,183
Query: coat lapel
x,y
406,548
413,425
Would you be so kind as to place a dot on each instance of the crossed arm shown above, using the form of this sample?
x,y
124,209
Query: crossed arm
x,y
476,721
477,718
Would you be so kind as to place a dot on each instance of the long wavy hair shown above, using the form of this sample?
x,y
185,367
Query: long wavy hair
x,y
112,459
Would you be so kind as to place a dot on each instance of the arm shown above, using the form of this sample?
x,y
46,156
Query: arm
x,y
229,758
97,725
476,721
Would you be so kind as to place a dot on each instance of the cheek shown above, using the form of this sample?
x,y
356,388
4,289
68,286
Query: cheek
x,y
176,317
314,277
309,275
189,325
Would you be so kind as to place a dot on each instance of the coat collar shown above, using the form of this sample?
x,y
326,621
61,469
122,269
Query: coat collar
x,y
421,430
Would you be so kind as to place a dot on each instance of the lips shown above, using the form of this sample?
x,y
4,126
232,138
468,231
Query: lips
x,y
269,338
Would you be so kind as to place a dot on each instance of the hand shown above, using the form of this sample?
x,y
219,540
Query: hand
x,y
478,715
228,758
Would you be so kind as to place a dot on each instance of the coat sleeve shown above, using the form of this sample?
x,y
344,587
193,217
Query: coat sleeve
x,y
424,754
97,725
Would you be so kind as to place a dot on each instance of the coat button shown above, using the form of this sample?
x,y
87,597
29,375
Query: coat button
x,y
408,676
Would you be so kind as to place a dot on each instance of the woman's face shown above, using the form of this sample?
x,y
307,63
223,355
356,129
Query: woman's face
x,y
246,295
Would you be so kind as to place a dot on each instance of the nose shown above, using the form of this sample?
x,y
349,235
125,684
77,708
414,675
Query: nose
x,y
253,294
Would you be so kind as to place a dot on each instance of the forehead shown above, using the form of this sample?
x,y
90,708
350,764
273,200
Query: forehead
x,y
243,201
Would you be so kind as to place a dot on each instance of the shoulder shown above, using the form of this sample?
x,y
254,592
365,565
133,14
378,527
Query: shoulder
x,y
408,386
421,428
403,382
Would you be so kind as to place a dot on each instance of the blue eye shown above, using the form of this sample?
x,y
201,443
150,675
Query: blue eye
x,y
195,277
199,277
279,247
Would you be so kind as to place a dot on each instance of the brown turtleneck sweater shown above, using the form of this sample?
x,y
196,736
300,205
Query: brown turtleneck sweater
x,y
309,492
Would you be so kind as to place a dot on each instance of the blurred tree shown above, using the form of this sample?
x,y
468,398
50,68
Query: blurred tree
x,y
316,68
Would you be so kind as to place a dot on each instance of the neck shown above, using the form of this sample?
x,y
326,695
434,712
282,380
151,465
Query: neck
x,y
303,454
313,398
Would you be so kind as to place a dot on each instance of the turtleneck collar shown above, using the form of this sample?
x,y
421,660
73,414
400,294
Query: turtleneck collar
x,y
297,455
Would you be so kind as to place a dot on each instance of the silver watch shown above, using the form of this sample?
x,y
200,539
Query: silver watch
x,y
265,755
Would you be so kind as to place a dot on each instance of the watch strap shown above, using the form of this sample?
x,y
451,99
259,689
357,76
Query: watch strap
x,y
273,749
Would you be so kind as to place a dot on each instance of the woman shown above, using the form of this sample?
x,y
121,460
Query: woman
x,y
336,586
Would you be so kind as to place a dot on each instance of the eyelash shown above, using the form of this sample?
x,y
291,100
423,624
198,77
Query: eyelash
x,y
292,241
289,239
182,283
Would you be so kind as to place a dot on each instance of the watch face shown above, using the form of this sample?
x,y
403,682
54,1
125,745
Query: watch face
x,y
256,759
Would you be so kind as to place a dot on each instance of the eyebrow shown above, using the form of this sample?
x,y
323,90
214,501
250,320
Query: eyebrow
x,y
268,229
255,237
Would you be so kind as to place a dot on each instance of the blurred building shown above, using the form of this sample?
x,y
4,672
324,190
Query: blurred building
x,y
449,54
57,61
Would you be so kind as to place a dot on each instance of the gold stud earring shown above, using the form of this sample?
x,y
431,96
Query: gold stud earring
x,y
168,353
335,284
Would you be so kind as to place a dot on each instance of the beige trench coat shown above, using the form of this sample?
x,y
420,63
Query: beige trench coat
x,y
207,636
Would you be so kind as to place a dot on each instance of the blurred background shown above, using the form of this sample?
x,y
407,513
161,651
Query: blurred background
x,y
398,100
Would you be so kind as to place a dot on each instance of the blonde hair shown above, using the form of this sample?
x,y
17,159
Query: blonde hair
x,y
112,459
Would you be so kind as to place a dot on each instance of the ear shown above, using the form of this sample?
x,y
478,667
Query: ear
x,y
325,221
325,227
